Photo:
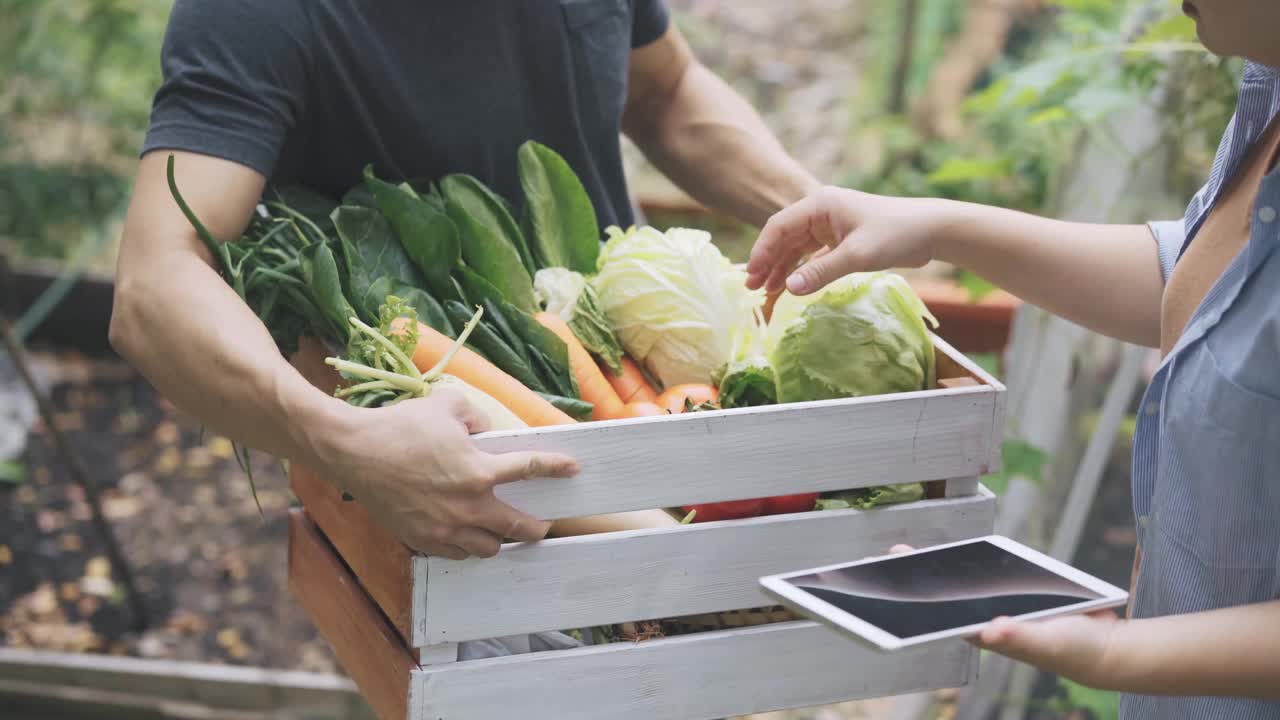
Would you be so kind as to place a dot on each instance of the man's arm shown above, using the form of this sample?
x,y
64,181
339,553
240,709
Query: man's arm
x,y
705,137
193,338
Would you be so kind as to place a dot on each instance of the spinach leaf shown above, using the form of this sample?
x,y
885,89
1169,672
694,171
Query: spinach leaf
x,y
491,211
495,316
561,221
549,353
487,253
476,288
427,235
495,350
429,310
579,410
370,252
320,273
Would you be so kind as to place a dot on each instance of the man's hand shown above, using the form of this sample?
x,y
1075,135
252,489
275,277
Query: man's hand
x,y
859,232
415,469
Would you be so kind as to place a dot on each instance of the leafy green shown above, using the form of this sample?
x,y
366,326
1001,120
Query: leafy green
x,y
497,318
867,498
492,346
561,222
428,309
674,301
864,335
489,210
567,294
320,272
371,252
579,410
426,233
549,353
491,256
747,379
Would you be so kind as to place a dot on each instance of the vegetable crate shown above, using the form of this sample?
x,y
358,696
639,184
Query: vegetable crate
x,y
394,618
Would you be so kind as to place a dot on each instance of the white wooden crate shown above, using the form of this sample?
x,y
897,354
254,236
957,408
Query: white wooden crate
x,y
950,435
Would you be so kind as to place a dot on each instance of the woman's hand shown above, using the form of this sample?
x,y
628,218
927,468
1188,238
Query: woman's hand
x,y
1073,646
862,232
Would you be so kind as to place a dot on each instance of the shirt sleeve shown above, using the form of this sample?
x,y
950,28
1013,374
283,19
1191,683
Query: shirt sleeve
x,y
649,22
234,81
1169,236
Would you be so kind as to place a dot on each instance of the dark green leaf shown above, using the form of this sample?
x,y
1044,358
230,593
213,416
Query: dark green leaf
x,y
371,252
427,235
579,410
558,211
476,288
492,257
497,318
549,353
320,272
498,352
490,211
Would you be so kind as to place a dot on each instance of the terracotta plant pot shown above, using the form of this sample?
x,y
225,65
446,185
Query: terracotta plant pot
x,y
981,327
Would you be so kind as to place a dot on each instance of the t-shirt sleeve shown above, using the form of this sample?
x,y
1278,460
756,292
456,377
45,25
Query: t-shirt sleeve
x,y
650,21
234,81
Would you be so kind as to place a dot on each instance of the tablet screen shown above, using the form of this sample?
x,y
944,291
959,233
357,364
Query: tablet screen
x,y
943,589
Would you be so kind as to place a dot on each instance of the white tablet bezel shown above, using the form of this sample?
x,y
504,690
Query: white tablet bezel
x,y
817,609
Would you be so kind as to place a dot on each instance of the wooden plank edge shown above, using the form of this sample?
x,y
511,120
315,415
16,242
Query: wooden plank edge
x,y
379,561
369,649
692,677
595,556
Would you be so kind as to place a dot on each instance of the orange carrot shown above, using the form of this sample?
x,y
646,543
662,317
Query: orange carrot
x,y
591,383
674,398
641,408
481,374
631,384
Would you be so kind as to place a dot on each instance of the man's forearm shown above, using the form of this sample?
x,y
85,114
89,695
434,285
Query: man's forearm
x,y
214,360
1104,277
709,141
1231,652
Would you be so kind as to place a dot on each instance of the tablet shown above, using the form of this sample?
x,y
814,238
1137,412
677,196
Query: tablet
x,y
940,592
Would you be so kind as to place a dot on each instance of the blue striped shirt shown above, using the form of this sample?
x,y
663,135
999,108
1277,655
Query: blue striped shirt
x,y
1206,465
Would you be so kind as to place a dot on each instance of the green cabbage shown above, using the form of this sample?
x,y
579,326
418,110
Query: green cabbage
x,y
674,300
747,380
566,293
863,335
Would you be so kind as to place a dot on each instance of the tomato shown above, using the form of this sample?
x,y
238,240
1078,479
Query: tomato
x,y
731,510
786,504
674,397
641,409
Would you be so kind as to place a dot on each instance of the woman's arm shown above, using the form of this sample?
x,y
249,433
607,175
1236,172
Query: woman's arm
x,y
1105,277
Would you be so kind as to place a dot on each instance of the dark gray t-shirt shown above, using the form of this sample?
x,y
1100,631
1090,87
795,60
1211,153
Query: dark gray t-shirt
x,y
310,91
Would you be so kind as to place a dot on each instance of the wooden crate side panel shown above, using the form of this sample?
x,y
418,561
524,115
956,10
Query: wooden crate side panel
x,y
366,645
833,445
673,572
380,561
699,677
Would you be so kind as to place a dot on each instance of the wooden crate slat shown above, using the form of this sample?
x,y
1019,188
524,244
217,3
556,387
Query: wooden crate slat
x,y
648,574
729,455
366,645
380,561
696,677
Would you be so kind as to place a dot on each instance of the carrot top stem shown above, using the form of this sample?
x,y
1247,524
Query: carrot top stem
x,y
438,368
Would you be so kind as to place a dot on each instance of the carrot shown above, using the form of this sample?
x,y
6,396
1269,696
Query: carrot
x,y
591,383
675,397
641,409
631,384
481,374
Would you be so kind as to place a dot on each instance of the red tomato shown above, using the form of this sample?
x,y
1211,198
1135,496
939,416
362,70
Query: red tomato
x,y
731,510
786,504
673,398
